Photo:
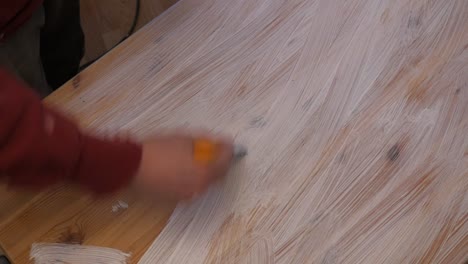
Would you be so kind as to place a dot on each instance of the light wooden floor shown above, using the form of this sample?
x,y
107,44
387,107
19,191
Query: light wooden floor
x,y
105,22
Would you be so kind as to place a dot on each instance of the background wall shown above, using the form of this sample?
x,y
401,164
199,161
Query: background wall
x,y
105,22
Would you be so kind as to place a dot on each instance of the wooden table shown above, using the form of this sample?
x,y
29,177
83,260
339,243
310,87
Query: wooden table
x,y
355,113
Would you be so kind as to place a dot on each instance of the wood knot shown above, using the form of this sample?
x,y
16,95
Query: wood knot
x,y
414,20
258,122
158,39
72,237
242,90
76,81
341,158
384,16
393,153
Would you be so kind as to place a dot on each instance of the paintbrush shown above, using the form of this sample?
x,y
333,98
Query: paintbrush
x,y
205,151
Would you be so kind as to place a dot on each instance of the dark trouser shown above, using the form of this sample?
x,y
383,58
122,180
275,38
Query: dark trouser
x,y
46,51
62,41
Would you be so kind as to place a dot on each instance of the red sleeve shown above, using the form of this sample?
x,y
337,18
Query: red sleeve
x,y
40,147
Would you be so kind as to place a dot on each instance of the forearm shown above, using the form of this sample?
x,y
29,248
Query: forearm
x,y
39,146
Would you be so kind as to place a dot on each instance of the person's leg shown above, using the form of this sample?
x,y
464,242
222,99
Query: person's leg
x,y
62,41
20,53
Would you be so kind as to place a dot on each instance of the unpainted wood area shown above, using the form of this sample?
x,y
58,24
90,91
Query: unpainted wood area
x,y
106,22
68,215
355,114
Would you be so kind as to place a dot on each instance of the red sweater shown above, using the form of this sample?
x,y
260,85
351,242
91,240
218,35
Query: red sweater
x,y
39,146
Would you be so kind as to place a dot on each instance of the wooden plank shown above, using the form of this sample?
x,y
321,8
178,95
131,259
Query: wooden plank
x,y
355,114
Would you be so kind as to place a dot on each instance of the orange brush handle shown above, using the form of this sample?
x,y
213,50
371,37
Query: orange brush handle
x,y
204,151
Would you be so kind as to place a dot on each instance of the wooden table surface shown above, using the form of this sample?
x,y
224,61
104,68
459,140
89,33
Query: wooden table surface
x,y
356,117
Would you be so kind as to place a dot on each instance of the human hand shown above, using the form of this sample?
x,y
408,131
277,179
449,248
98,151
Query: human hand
x,y
168,167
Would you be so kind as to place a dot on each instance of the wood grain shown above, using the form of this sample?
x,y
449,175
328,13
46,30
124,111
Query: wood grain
x,y
355,114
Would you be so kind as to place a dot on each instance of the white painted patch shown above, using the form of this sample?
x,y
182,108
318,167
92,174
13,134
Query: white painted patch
x,y
123,204
120,205
55,253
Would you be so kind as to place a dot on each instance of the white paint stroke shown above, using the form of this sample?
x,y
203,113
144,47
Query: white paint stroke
x,y
355,126
54,253
120,205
